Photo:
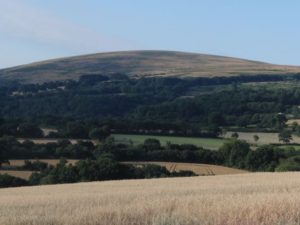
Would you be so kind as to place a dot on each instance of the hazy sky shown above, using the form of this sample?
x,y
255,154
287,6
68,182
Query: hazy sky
x,y
33,30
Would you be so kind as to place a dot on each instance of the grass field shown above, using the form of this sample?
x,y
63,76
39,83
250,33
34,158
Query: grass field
x,y
199,169
264,138
210,143
243,199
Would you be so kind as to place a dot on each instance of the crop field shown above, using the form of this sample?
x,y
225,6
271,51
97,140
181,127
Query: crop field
x,y
199,169
242,199
210,143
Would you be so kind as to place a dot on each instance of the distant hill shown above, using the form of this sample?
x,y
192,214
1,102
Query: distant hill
x,y
141,64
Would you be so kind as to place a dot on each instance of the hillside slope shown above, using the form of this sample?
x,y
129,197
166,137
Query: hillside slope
x,y
139,64
248,199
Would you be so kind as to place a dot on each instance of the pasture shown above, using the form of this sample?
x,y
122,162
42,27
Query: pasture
x,y
241,199
264,138
208,143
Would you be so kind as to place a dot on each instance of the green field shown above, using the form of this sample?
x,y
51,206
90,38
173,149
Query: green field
x,y
296,147
209,143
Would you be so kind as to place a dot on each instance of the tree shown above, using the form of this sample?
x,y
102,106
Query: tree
x,y
294,126
235,135
6,144
280,121
285,136
264,158
99,133
29,130
151,144
235,153
3,158
256,138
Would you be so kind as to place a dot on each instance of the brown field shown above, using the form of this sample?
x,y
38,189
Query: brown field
x,y
241,199
20,162
290,122
199,169
142,64
21,174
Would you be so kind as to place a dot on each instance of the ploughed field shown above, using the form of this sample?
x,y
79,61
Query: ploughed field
x,y
247,199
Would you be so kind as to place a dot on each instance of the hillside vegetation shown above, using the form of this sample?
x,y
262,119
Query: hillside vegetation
x,y
141,64
248,199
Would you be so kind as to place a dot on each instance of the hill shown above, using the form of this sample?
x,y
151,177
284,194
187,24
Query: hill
x,y
248,199
140,64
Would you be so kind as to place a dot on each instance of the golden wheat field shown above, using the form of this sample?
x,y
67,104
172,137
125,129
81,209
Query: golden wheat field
x,y
242,199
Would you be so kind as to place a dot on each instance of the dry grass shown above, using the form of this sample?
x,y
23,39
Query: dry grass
x,y
200,169
16,173
244,199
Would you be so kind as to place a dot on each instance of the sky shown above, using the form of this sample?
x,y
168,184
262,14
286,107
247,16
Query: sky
x,y
263,30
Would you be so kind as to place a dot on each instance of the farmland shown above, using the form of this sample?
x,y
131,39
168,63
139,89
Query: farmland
x,y
248,199
199,169
208,143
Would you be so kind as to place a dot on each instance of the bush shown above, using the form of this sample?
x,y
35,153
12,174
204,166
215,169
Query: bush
x,y
10,181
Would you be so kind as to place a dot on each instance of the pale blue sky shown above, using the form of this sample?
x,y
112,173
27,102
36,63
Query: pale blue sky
x,y
265,30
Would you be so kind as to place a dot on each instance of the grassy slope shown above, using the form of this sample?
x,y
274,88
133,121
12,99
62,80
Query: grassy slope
x,y
142,63
248,199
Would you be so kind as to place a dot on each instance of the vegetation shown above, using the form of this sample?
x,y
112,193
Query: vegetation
x,y
148,106
151,113
10,181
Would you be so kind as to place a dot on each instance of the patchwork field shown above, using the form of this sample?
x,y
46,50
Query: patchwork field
x,y
243,199
199,169
208,143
